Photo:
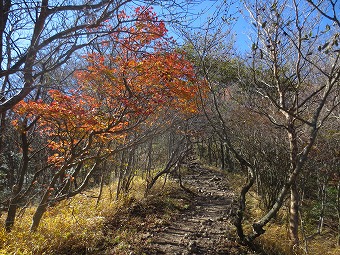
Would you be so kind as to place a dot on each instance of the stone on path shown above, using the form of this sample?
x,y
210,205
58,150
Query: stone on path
x,y
206,228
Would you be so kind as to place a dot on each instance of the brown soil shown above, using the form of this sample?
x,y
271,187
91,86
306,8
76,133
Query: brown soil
x,y
206,227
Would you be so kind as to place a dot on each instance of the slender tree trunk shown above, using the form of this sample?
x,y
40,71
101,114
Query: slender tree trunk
x,y
100,188
222,155
43,204
303,232
231,166
38,215
120,174
338,210
12,209
242,204
215,153
294,215
2,130
148,166
11,212
176,159
294,195
209,152
129,171
171,143
322,209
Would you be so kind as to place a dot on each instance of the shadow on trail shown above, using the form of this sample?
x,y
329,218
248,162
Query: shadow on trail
x,y
206,227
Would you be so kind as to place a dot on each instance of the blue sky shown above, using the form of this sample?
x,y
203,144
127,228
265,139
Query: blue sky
x,y
198,15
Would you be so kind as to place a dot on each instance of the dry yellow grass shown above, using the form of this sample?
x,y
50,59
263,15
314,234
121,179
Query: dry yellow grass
x,y
78,224
275,240
75,224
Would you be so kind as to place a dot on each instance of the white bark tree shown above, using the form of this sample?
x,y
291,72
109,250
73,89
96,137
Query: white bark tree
x,y
296,73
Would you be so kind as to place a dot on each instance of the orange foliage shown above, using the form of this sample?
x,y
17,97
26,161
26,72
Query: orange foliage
x,y
140,79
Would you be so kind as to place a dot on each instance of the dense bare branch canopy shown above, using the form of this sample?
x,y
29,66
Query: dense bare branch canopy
x,y
39,36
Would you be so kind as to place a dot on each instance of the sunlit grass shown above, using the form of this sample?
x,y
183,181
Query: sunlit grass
x,y
81,225
275,241
75,222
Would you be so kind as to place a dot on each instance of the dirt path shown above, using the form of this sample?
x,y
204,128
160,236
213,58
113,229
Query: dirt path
x,y
206,228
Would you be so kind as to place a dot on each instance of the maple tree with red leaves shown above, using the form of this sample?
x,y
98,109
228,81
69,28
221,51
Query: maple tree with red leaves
x,y
114,95
117,92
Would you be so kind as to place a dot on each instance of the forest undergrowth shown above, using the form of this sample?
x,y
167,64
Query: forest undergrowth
x,y
275,240
86,225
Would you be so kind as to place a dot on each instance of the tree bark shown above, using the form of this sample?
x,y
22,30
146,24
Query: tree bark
x,y
242,205
43,204
338,210
294,195
222,155
12,209
294,215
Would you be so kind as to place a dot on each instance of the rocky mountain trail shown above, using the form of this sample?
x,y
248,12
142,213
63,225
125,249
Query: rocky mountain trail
x,y
204,228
